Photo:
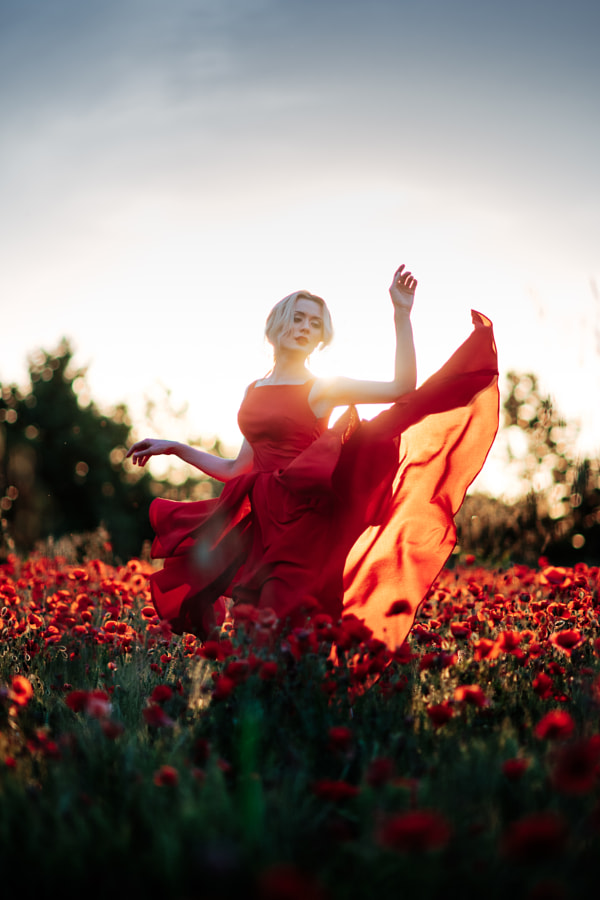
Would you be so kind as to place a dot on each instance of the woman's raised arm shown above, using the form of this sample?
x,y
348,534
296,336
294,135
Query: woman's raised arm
x,y
214,466
327,393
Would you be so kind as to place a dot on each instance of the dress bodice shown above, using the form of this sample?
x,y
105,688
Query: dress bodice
x,y
278,422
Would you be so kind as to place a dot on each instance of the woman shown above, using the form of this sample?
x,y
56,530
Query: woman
x,y
357,518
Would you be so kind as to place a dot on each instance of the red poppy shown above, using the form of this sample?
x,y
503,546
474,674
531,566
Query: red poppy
x,y
440,713
95,703
536,649
380,771
334,791
161,693
566,641
245,612
166,776
555,576
577,767
112,730
508,641
543,686
76,700
460,630
340,738
426,635
21,690
78,575
403,654
441,660
98,704
555,724
237,670
268,670
323,626
353,631
217,650
156,717
416,830
514,769
485,649
224,686
472,694
555,669
42,743
535,837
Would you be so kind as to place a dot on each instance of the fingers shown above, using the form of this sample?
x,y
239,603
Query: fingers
x,y
139,445
401,273
404,280
139,452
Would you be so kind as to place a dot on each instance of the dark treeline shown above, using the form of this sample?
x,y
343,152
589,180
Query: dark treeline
x,y
62,474
61,467
558,513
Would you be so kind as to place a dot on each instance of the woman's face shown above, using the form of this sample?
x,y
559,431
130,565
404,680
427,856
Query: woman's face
x,y
307,328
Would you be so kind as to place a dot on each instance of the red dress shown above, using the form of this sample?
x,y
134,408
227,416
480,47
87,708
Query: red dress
x,y
354,518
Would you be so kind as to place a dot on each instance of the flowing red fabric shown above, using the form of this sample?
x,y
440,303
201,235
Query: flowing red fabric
x,y
357,518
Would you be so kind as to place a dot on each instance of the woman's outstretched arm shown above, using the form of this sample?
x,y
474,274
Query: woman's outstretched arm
x,y
214,466
327,393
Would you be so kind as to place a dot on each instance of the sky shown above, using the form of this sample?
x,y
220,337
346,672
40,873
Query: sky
x,y
169,171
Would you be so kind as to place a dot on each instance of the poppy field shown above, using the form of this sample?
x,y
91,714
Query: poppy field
x,y
308,764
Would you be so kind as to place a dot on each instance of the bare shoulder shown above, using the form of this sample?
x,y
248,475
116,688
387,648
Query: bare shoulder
x,y
320,397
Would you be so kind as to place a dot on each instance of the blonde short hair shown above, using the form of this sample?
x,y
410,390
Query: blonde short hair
x,y
281,318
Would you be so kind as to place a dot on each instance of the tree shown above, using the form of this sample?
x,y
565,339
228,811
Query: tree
x,y
558,514
61,460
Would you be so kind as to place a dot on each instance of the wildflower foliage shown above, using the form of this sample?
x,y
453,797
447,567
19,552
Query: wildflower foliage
x,y
313,762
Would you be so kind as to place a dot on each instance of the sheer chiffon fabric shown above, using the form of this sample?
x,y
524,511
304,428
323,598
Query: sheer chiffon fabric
x,y
357,518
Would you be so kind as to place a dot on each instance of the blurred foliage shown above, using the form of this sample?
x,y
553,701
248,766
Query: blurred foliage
x,y
558,514
61,465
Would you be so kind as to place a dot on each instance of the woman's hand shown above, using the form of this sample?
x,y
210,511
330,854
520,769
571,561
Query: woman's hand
x,y
141,451
402,290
